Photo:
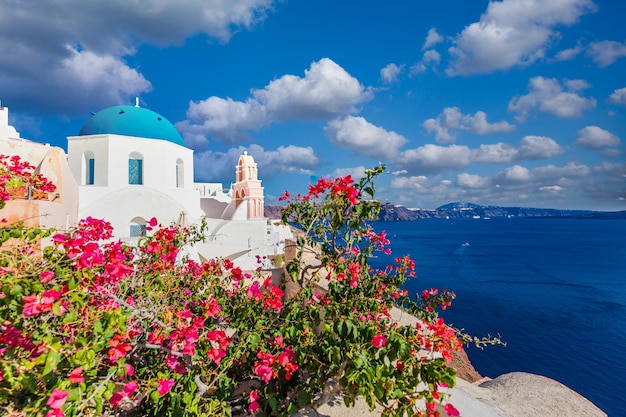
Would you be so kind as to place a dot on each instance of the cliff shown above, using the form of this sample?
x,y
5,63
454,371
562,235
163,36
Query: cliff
x,y
458,210
393,213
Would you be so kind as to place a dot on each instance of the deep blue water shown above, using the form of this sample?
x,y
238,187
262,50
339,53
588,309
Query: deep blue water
x,y
553,289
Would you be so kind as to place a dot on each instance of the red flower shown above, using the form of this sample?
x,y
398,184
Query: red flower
x,y
263,371
216,355
165,385
118,350
237,274
253,407
46,276
379,341
451,410
31,305
76,376
57,398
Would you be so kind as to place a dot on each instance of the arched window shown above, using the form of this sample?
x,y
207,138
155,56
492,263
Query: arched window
x,y
135,169
88,168
180,173
137,227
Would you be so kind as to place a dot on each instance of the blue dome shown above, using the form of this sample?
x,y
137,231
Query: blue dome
x,y
131,121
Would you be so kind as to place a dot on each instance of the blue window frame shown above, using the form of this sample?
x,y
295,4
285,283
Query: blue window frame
x,y
91,169
135,171
137,230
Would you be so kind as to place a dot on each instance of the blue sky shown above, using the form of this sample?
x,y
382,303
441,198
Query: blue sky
x,y
513,102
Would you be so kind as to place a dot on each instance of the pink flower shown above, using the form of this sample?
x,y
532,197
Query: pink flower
x,y
165,385
253,407
55,412
130,388
451,410
264,372
130,370
116,398
57,398
216,355
31,303
286,357
153,222
254,291
379,341
76,376
46,276
118,351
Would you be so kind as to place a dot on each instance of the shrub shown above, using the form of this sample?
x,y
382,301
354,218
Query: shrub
x,y
95,327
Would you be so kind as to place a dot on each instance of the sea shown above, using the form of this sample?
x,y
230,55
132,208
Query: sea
x,y
553,289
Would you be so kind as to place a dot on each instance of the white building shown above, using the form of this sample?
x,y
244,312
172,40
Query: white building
x,y
131,164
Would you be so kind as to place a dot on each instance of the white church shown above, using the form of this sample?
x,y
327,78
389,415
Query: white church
x,y
129,164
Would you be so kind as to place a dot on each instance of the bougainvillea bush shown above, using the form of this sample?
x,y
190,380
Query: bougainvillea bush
x,y
96,327
17,173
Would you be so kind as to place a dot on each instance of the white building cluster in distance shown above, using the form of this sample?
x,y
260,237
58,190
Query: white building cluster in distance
x,y
130,164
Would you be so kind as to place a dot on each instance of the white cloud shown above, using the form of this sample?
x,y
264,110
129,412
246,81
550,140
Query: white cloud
x,y
432,39
594,137
618,96
538,147
542,186
465,180
514,174
77,50
530,147
567,174
576,85
325,92
452,119
431,58
226,120
552,189
355,172
219,166
568,54
390,73
616,170
417,68
512,33
497,153
604,53
417,182
547,95
364,138
433,158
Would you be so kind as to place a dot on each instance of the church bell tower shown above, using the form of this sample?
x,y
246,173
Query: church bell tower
x,y
248,188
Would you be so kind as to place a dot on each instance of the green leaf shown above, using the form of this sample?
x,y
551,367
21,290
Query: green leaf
x,y
272,403
17,289
155,396
52,360
74,394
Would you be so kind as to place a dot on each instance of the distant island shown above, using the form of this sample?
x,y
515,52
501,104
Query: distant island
x,y
458,210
